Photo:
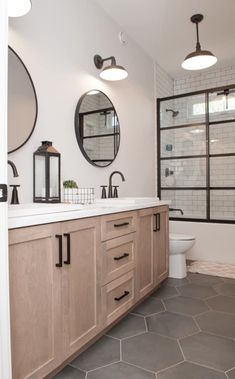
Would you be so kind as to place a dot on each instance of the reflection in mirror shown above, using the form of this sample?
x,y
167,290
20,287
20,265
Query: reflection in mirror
x,y
22,103
97,128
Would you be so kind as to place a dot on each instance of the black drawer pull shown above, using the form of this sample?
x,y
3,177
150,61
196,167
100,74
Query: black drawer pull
x,y
123,224
60,264
68,260
126,293
157,222
125,255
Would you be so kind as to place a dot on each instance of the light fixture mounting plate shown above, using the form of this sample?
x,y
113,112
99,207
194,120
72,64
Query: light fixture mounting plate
x,y
196,18
98,61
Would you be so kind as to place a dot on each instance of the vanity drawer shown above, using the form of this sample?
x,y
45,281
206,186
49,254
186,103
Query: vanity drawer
x,y
118,297
117,225
118,257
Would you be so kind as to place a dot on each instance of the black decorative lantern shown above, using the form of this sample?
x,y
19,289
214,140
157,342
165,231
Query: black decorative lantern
x,y
46,174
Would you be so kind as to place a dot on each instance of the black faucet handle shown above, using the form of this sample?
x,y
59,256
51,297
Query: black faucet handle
x,y
115,192
15,197
103,193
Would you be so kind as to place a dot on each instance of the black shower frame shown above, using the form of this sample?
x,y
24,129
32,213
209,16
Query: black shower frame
x,y
207,124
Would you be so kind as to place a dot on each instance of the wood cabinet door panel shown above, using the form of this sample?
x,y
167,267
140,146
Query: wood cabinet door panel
x,y
145,258
35,301
81,284
161,243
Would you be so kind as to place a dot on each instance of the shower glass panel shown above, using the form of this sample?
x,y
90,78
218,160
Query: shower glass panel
x,y
183,141
183,172
222,138
196,154
182,110
192,202
222,204
222,171
222,105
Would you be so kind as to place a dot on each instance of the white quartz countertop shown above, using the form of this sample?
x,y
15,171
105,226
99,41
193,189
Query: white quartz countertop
x,y
23,215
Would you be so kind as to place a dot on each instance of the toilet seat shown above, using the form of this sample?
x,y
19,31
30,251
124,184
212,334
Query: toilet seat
x,y
181,237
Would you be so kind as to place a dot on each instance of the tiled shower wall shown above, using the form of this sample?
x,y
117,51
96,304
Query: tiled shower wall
x,y
191,172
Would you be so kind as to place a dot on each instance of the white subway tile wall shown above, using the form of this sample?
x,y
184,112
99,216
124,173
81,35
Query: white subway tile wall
x,y
192,141
205,79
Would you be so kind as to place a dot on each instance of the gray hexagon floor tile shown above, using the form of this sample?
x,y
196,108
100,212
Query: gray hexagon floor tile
x,y
197,291
186,305
226,289
171,325
206,280
165,292
231,374
209,350
120,371
222,324
149,307
187,370
174,282
222,303
151,351
70,373
106,350
228,280
129,326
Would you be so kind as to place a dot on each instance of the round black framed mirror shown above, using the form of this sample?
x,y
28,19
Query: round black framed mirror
x,y
22,103
97,128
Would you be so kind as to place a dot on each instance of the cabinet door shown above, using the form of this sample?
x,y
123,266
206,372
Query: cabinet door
x,y
35,301
161,244
81,282
145,252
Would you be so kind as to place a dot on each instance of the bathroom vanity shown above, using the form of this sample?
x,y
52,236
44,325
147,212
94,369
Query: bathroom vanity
x,y
74,272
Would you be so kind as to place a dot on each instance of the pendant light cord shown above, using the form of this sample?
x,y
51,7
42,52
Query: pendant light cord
x,y
198,45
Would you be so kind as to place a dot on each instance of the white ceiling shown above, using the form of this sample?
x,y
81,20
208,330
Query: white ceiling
x,y
163,28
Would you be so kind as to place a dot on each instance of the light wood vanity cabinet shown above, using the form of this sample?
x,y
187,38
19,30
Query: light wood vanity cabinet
x,y
55,298
152,248
70,280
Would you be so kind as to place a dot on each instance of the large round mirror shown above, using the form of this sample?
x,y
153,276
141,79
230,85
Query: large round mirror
x,y
97,128
22,103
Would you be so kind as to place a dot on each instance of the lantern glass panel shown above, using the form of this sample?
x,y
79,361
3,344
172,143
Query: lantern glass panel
x,y
40,177
54,176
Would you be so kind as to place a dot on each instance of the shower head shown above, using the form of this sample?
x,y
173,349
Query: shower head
x,y
174,113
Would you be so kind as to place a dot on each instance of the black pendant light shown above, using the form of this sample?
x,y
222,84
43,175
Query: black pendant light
x,y
199,59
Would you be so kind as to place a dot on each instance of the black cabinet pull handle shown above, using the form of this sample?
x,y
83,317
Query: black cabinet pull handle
x,y
68,260
157,227
125,255
60,264
123,224
126,293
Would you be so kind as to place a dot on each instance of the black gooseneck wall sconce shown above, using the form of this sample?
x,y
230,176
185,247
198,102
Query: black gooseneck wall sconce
x,y
199,59
111,72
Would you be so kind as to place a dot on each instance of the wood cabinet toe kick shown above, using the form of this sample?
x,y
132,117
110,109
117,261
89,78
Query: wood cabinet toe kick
x,y
70,280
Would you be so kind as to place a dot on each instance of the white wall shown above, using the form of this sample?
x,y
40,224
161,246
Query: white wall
x,y
57,41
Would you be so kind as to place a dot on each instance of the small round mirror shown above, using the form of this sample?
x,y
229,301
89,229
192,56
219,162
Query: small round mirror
x,y
22,103
97,128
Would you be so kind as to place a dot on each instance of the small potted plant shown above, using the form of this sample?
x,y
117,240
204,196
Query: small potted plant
x,y
70,191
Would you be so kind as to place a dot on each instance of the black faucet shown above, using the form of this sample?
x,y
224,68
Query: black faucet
x,y
110,191
14,198
14,169
176,210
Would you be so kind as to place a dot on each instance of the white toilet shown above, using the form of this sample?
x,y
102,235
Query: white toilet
x,y
179,244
